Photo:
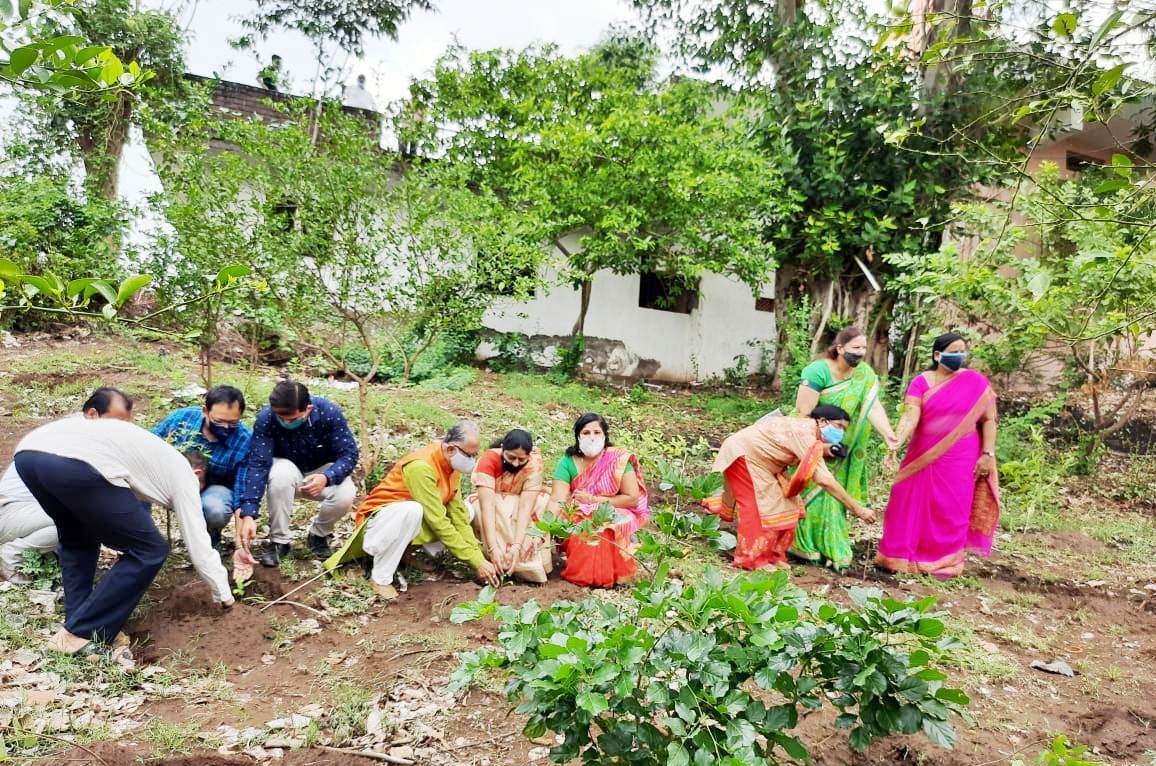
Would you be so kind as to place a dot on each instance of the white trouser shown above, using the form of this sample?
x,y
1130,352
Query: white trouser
x,y
284,487
24,526
388,533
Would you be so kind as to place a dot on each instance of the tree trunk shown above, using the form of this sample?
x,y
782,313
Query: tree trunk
x,y
784,278
368,448
583,307
101,152
824,317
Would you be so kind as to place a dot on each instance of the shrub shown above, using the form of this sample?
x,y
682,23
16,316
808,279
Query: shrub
x,y
716,671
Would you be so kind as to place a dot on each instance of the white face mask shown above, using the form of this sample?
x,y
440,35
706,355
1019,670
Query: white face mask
x,y
462,464
591,445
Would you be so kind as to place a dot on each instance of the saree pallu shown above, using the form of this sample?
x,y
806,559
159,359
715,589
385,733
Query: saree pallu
x,y
822,535
607,559
935,512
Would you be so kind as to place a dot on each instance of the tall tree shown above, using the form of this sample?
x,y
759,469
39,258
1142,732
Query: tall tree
x,y
651,176
95,125
828,99
363,261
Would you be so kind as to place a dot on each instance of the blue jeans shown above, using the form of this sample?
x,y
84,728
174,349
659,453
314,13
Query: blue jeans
x,y
88,511
217,505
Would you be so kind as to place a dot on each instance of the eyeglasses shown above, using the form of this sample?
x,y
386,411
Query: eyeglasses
x,y
224,423
470,455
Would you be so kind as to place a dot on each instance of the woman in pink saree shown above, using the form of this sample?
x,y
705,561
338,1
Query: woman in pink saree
x,y
593,473
945,499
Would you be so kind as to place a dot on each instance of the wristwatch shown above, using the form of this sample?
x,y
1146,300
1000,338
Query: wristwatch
x,y
989,452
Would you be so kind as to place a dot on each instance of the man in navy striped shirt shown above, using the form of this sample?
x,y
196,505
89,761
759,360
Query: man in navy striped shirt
x,y
302,447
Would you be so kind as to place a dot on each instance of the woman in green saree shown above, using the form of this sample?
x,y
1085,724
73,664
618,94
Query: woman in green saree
x,y
840,378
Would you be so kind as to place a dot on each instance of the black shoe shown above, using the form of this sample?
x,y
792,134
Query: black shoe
x,y
319,546
273,553
215,539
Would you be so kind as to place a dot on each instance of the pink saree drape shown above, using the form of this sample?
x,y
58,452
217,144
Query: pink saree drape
x,y
606,560
928,523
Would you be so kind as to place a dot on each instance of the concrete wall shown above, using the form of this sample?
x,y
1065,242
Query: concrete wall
x,y
626,341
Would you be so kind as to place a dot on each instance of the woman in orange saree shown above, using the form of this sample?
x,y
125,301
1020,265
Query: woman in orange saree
x,y
754,463
945,499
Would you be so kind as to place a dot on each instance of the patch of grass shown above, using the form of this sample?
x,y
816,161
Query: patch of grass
x,y
284,633
981,665
170,738
349,707
345,596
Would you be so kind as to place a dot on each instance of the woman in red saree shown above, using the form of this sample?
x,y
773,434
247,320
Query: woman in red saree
x,y
945,499
590,474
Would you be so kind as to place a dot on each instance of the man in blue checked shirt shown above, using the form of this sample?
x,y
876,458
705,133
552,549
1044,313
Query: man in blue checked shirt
x,y
302,447
217,431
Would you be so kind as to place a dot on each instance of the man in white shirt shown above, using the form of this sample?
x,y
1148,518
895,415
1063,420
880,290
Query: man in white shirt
x,y
90,477
24,526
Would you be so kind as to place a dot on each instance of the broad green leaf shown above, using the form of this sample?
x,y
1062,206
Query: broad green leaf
x,y
910,719
22,58
1065,24
9,270
860,739
41,284
939,732
1108,79
930,627
953,695
792,745
1112,185
130,287
593,703
677,755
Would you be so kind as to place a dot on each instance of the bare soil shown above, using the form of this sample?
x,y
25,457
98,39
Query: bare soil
x,y
1018,608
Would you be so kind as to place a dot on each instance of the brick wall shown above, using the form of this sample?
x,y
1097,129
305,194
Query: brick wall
x,y
237,99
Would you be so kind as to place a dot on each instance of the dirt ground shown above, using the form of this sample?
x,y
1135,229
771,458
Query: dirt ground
x,y
1038,598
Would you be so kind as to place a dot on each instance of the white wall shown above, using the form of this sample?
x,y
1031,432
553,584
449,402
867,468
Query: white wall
x,y
687,347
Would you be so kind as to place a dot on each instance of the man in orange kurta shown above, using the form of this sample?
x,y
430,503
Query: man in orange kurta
x,y
754,463
419,502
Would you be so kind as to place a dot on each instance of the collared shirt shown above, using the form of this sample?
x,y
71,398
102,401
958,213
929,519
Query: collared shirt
x,y
324,438
129,456
228,461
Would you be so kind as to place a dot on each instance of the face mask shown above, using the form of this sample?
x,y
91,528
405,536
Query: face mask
x,y
832,434
291,424
510,467
221,433
852,359
462,464
591,445
954,360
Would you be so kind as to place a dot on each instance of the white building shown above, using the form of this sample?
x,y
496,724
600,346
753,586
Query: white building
x,y
629,336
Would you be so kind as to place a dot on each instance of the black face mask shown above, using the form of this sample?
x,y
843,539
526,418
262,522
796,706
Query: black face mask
x,y
852,359
510,467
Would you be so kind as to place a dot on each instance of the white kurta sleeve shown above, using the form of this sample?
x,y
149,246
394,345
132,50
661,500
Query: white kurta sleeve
x,y
186,505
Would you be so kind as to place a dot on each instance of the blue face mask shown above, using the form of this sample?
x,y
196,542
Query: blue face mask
x,y
954,360
221,433
832,434
291,424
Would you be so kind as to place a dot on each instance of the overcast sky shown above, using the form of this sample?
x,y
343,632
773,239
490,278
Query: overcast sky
x,y
389,66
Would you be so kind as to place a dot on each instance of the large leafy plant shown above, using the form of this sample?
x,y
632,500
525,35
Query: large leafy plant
x,y
718,671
